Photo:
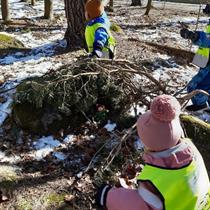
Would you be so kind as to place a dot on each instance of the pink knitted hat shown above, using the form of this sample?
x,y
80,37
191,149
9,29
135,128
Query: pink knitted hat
x,y
160,128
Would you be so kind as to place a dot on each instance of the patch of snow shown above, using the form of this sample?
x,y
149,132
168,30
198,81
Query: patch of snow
x,y
79,175
5,110
21,10
35,62
46,50
59,155
138,144
46,142
69,139
9,159
41,153
135,111
44,146
7,34
193,20
158,73
110,126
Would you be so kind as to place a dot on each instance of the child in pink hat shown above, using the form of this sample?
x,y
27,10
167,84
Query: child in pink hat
x,y
174,176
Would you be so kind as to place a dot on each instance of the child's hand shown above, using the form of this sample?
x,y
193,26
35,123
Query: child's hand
x,y
187,34
96,53
102,194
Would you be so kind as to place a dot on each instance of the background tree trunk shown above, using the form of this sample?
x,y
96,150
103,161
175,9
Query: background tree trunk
x,y
33,2
110,8
75,14
136,3
5,10
48,9
149,5
111,3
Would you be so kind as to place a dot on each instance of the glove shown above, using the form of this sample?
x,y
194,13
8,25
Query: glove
x,y
186,34
96,53
101,195
97,50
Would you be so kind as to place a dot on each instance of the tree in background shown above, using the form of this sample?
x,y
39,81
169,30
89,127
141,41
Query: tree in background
x,y
136,3
111,3
48,9
33,2
149,6
75,14
5,10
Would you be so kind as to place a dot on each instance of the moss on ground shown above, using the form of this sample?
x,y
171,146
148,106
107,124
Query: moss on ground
x,y
54,199
8,179
116,28
51,200
196,129
24,204
9,43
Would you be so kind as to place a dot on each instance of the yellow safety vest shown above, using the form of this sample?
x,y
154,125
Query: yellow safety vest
x,y
201,57
186,188
90,35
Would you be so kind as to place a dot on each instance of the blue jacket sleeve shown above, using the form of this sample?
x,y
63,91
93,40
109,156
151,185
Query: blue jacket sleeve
x,y
204,40
101,38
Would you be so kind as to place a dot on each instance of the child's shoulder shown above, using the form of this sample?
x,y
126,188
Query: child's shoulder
x,y
103,19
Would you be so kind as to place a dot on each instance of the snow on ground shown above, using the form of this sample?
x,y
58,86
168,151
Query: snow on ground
x,y
110,126
37,61
18,66
44,146
20,9
40,59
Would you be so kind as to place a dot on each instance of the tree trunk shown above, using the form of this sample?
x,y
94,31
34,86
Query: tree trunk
x,y
33,2
48,9
111,3
75,14
136,3
5,10
149,5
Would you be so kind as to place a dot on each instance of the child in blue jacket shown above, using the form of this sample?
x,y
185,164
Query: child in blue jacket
x,y
98,37
202,79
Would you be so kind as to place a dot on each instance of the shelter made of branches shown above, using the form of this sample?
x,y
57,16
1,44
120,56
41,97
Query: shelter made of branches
x,y
63,97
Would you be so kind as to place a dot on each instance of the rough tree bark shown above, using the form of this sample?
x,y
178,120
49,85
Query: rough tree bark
x,y
5,10
136,3
149,5
33,2
75,15
48,9
111,3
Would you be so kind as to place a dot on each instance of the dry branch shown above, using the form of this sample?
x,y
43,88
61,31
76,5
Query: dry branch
x,y
115,151
190,95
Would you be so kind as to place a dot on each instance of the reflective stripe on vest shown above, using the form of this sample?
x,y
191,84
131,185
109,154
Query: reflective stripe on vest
x,y
201,57
90,36
181,189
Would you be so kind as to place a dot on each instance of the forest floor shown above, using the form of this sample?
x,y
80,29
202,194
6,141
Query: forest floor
x,y
51,170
